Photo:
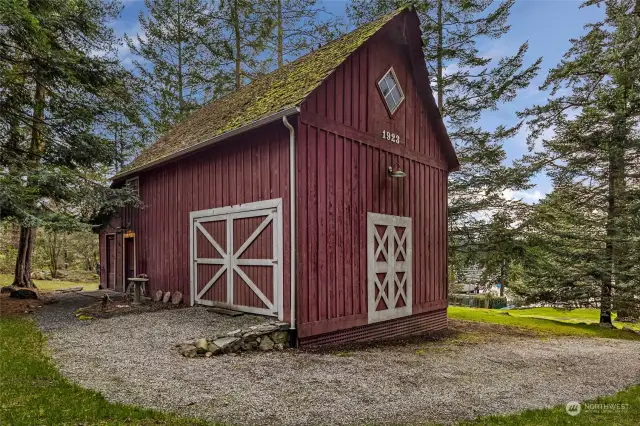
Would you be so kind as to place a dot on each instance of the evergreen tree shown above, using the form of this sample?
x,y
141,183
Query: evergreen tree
x,y
593,158
126,124
245,27
180,59
563,256
503,244
300,26
58,76
466,85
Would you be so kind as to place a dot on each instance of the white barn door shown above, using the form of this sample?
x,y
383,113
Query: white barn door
x,y
389,254
236,257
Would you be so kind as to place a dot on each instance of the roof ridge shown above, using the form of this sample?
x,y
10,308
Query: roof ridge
x,y
283,88
298,59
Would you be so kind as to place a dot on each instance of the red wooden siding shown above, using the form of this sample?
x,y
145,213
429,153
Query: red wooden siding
x,y
350,96
342,163
251,167
341,175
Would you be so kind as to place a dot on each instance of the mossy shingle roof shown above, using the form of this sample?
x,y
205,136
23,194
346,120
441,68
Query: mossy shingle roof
x,y
280,90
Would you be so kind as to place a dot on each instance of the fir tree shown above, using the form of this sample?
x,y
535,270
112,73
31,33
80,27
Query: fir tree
x,y
179,59
594,156
126,124
245,27
564,247
300,26
466,85
59,78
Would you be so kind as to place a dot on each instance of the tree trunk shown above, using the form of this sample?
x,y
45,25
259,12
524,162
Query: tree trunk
x,y
440,59
605,288
53,254
280,36
180,76
503,279
236,32
22,275
615,186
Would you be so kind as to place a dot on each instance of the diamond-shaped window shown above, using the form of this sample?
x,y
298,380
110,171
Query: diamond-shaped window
x,y
391,90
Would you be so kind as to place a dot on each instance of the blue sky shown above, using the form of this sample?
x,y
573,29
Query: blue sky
x,y
547,25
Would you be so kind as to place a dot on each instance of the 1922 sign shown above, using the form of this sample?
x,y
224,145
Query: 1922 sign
x,y
390,136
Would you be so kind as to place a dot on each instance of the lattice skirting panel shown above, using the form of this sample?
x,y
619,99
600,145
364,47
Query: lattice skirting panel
x,y
400,327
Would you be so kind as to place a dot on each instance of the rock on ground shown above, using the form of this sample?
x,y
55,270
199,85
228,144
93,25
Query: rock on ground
x,y
416,382
176,298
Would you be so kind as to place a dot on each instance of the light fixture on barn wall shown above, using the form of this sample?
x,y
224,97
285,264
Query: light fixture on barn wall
x,y
396,171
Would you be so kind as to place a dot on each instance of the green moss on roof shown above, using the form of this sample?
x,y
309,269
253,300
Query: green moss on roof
x,y
282,89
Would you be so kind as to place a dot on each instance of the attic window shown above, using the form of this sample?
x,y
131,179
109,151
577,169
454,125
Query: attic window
x,y
391,90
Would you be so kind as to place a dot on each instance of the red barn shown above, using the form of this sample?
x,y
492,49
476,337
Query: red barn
x,y
317,194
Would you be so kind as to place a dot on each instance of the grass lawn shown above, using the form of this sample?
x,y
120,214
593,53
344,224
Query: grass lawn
x,y
46,285
33,392
561,322
621,409
584,315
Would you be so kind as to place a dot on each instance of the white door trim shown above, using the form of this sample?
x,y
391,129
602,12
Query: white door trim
x,y
272,211
390,245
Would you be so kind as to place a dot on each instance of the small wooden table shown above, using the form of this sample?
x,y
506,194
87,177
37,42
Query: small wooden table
x,y
137,286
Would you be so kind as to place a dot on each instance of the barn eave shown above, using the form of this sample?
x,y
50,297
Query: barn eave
x,y
207,142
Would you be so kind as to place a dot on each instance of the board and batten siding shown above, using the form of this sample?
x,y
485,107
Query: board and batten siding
x,y
342,161
251,167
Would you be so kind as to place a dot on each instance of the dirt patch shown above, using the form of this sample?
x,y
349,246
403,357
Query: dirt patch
x,y
9,306
490,330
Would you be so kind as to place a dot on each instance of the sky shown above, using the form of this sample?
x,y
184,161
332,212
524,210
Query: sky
x,y
546,25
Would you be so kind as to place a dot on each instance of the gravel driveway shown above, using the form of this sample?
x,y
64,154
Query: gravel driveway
x,y
131,359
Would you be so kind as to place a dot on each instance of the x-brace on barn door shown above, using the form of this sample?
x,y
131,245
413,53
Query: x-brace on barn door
x,y
236,257
389,257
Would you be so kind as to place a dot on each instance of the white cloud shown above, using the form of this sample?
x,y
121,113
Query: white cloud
x,y
529,197
451,69
135,33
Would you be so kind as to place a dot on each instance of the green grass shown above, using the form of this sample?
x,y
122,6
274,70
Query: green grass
x,y
46,285
627,413
580,315
33,392
563,323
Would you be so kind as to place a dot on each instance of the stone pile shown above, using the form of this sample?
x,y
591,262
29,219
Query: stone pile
x,y
264,337
160,296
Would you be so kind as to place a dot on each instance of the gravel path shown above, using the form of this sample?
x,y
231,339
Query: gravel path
x,y
131,359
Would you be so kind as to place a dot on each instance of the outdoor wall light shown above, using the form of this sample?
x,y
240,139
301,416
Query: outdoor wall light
x,y
396,171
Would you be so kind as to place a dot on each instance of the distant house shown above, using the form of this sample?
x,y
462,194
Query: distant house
x,y
470,280
316,194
